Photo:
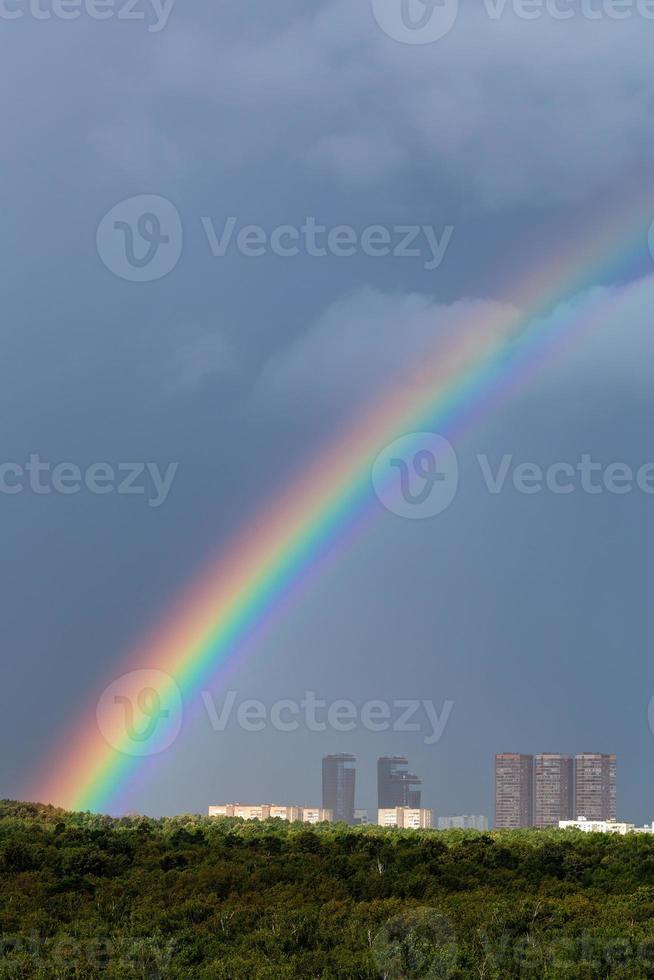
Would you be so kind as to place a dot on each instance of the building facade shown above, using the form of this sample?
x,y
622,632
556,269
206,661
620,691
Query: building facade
x,y
595,786
602,826
338,785
514,790
396,786
315,814
409,818
553,789
271,811
464,822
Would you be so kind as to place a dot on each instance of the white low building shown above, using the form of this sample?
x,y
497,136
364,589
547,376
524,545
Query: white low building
x,y
604,826
410,818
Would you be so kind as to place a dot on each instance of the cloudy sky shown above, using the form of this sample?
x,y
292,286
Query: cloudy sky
x,y
499,142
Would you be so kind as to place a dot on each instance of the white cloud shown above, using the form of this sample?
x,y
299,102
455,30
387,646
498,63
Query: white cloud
x,y
371,340
361,343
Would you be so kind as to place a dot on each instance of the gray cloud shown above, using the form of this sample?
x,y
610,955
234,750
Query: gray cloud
x,y
514,111
207,357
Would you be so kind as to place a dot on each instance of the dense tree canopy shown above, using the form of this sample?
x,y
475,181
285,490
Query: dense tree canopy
x,y
87,896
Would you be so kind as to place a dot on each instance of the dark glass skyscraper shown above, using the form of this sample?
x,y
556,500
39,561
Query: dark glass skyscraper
x,y
338,781
396,786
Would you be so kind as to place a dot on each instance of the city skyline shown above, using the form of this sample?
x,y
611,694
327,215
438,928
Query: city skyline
x,y
537,790
531,790
544,789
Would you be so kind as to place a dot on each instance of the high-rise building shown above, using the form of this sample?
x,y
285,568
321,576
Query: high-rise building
x,y
514,790
338,779
595,786
553,796
396,786
410,818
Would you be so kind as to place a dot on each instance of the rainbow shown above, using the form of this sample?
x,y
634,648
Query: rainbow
x,y
492,349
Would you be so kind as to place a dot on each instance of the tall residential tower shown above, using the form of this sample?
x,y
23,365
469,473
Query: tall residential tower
x,y
553,796
595,786
396,786
514,790
338,779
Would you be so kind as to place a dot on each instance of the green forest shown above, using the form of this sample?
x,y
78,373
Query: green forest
x,y
90,896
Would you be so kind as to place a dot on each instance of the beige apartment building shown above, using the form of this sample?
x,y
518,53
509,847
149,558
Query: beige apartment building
x,y
316,814
271,811
410,818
